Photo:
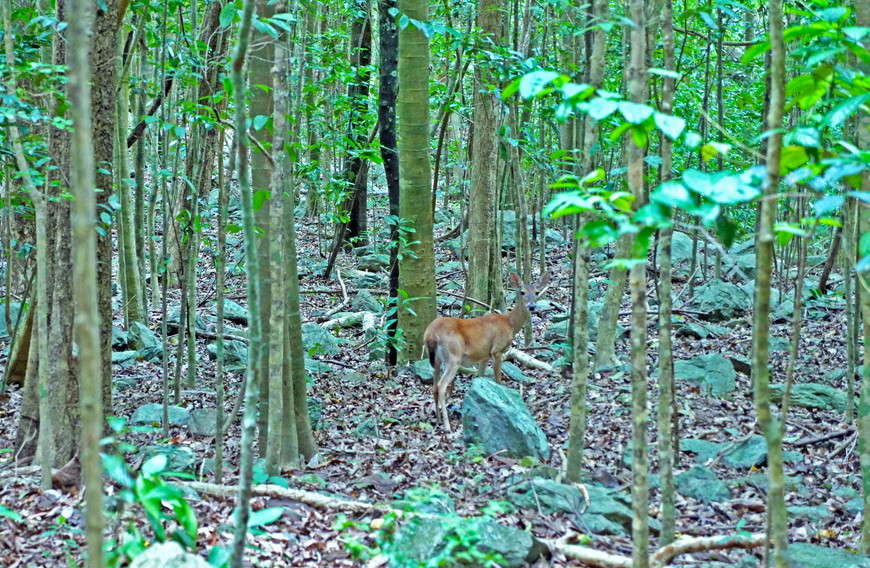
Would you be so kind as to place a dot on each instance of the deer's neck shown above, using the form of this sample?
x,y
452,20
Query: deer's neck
x,y
519,315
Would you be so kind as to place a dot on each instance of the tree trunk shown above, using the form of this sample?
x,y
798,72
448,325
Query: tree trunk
x,y
484,162
768,423
416,270
387,93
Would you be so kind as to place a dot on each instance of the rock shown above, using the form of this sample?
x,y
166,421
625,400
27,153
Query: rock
x,y
713,373
813,514
153,414
426,541
423,371
235,353
145,341
315,366
701,483
119,337
365,301
496,417
354,377
181,458
318,339
167,554
203,421
739,265
812,395
124,358
233,311
805,555
315,411
751,453
608,513
681,248
702,449
854,506
510,370
699,330
175,315
741,364
779,344
719,300
373,262
368,428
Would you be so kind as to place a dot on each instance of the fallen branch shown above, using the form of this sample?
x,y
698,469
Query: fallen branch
x,y
528,360
824,437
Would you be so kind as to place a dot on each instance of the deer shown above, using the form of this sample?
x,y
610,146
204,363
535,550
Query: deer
x,y
451,342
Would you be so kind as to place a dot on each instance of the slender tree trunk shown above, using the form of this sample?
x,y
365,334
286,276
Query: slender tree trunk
x,y
84,248
262,58
387,93
769,424
666,413
242,511
484,162
639,413
577,432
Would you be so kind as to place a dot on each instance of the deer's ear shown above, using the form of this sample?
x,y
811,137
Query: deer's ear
x,y
545,279
515,279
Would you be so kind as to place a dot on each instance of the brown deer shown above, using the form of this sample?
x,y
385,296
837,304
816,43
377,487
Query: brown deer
x,y
451,342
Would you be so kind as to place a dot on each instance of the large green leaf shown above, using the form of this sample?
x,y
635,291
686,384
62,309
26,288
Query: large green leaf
x,y
671,126
533,83
838,115
600,108
673,194
635,113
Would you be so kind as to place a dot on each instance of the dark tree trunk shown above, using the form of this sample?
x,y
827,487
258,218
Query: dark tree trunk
x,y
388,90
358,93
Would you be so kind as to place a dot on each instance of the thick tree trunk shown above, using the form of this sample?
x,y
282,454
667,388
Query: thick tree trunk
x,y
417,271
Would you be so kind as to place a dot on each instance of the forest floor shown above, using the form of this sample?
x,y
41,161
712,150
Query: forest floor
x,y
411,449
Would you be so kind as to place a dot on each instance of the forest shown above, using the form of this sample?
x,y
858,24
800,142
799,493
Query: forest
x,y
419,284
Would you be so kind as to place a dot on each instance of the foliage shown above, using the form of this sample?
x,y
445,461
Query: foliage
x,y
461,535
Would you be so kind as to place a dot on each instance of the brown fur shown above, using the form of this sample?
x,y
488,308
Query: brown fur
x,y
451,342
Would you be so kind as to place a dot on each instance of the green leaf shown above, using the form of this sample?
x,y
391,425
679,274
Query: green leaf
x,y
260,197
533,83
833,14
754,51
671,126
828,204
600,108
864,245
673,194
619,131
260,121
635,113
265,516
664,72
838,115
228,14
577,90
693,140
511,89
639,135
154,465
10,514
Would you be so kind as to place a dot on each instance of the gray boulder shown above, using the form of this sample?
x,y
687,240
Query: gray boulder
x,y
315,337
145,341
181,458
168,555
608,512
701,483
153,414
720,300
812,395
805,555
713,373
373,262
364,301
425,541
235,353
203,421
496,417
